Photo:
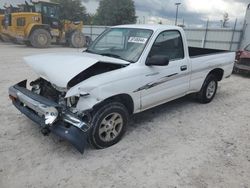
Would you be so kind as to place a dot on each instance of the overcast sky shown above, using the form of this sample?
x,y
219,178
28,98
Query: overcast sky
x,y
194,12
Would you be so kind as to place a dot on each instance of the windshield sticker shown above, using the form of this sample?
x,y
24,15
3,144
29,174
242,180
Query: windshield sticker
x,y
137,40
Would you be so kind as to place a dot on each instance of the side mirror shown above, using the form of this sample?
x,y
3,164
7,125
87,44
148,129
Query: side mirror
x,y
157,60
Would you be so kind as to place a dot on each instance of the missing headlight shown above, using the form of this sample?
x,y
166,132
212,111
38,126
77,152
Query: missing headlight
x,y
72,101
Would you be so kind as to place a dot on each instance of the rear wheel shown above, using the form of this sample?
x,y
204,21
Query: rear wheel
x,y
40,38
77,39
108,125
208,89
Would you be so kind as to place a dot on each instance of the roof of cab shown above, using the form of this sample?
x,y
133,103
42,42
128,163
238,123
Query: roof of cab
x,y
151,27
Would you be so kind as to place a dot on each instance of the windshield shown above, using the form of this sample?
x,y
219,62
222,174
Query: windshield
x,y
38,8
123,43
48,10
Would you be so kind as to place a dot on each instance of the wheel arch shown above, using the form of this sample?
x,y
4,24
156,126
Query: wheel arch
x,y
218,73
125,99
32,28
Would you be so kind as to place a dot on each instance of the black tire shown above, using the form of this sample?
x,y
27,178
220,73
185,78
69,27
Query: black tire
x,y
40,38
104,114
77,40
205,96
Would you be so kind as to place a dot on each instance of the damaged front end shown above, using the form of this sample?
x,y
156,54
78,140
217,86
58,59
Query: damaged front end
x,y
47,107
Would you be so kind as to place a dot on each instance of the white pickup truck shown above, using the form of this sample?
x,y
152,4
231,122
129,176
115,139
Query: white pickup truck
x,y
90,96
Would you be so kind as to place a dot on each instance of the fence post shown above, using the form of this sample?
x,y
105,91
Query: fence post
x,y
232,39
242,34
205,37
91,32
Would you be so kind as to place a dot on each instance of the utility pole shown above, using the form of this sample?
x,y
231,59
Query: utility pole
x,y
177,9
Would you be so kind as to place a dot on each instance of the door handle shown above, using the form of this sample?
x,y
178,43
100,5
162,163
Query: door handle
x,y
183,67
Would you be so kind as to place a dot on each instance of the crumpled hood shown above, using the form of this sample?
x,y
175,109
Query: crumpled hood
x,y
60,68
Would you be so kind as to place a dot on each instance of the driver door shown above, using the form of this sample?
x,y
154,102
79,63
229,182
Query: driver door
x,y
163,83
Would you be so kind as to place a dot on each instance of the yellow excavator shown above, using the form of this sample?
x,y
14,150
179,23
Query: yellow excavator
x,y
42,26
1,22
2,37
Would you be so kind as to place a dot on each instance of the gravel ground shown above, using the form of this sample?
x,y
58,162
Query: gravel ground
x,y
179,144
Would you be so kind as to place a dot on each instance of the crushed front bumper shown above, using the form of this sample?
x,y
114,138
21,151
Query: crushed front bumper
x,y
49,115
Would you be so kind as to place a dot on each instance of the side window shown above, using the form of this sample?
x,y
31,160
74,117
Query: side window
x,y
20,22
45,11
168,43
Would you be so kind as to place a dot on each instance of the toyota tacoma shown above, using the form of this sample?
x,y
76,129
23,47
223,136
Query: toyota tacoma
x,y
88,97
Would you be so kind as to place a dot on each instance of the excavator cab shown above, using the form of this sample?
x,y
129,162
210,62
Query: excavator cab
x,y
50,13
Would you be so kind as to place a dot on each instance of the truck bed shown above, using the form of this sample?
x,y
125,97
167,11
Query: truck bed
x,y
204,60
197,52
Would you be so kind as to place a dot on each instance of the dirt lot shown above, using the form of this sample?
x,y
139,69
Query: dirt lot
x,y
179,144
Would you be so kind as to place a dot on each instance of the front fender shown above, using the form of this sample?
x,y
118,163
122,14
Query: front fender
x,y
87,98
79,90
86,103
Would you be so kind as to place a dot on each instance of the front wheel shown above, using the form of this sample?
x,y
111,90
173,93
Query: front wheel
x,y
208,89
77,39
40,38
108,125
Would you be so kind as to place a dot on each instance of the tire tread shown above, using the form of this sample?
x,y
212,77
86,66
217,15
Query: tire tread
x,y
97,115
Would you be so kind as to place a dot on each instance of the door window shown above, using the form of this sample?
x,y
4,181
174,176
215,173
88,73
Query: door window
x,y
168,43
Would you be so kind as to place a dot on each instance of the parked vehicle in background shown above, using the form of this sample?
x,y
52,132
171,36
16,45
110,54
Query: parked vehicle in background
x,y
126,70
242,60
42,26
1,25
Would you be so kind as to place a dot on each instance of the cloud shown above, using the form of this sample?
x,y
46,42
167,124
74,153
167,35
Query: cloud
x,y
214,9
194,12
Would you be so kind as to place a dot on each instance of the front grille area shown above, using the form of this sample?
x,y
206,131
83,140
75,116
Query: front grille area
x,y
244,61
46,89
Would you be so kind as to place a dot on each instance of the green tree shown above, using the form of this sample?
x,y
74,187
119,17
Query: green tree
x,y
72,10
115,12
89,19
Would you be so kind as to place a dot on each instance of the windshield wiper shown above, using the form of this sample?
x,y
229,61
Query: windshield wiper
x,y
89,51
111,55
115,56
